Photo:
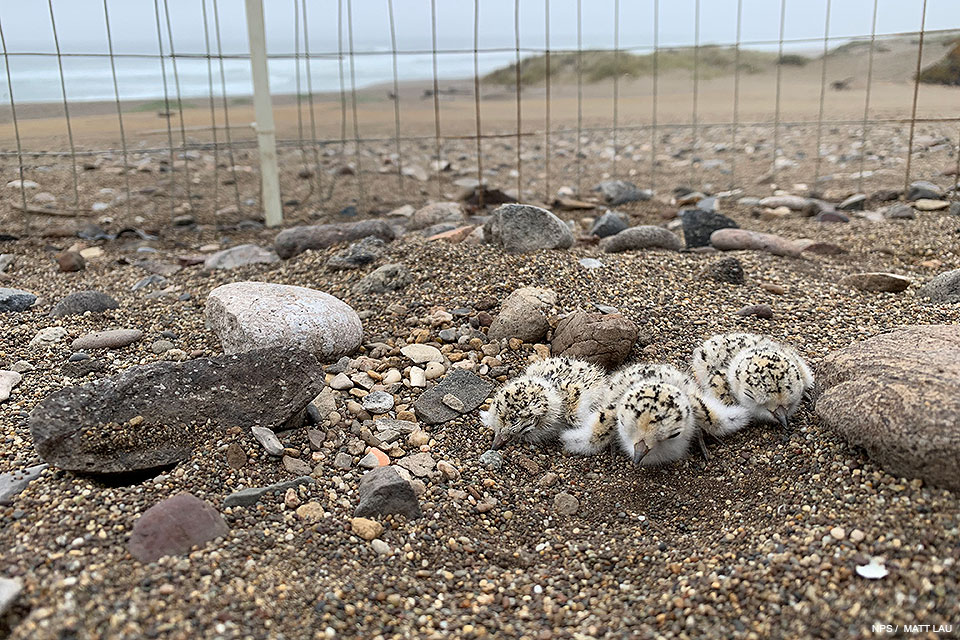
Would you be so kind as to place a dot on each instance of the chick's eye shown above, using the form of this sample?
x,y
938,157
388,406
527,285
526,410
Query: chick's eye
x,y
673,435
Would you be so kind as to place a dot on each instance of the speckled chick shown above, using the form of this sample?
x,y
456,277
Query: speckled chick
x,y
574,379
712,359
527,409
655,423
543,402
769,380
598,414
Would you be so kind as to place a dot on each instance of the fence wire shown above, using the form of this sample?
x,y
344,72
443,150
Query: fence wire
x,y
327,169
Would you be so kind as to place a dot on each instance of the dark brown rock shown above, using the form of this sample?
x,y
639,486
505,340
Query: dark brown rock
x,y
601,338
876,282
174,526
236,456
153,415
897,395
759,310
71,261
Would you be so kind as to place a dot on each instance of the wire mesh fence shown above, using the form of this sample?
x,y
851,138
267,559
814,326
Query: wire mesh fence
x,y
833,111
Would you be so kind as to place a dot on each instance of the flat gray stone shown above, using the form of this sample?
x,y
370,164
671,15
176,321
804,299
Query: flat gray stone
x,y
12,483
154,415
295,240
268,440
240,256
642,237
465,385
8,380
247,497
520,228
80,302
377,402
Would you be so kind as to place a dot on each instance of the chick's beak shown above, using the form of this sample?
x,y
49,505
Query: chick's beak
x,y
498,440
640,450
780,413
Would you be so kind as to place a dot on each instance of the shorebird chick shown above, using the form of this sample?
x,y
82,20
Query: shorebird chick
x,y
712,359
769,380
541,403
598,419
655,423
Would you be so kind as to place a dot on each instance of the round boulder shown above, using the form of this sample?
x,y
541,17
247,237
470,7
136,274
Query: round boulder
x,y
520,228
897,395
255,315
601,338
523,315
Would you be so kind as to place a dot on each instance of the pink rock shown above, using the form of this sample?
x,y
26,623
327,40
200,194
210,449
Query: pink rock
x,y
174,526
734,239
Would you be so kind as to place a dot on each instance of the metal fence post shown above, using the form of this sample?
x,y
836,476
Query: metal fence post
x,y
266,134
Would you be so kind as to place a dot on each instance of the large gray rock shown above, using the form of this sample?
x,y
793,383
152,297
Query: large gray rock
x,y
897,395
437,213
14,300
943,288
240,256
383,491
254,315
469,388
295,240
153,415
174,526
601,338
10,589
523,315
642,237
923,190
358,254
80,302
520,228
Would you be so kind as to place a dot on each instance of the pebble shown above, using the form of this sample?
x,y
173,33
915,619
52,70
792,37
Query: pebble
x,y
374,458
448,471
10,589
453,402
310,512
381,547
49,335
343,461
433,370
421,353
112,339
491,459
15,300
366,528
268,439
419,464
930,205
8,380
377,402
566,504
857,535
838,533
236,456
296,466
77,304
759,310
341,382
161,346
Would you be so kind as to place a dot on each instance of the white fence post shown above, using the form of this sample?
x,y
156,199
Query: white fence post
x,y
266,134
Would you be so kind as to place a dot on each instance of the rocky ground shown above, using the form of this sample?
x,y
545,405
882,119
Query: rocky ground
x,y
763,540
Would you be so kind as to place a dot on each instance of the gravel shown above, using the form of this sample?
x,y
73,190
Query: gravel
x,y
738,547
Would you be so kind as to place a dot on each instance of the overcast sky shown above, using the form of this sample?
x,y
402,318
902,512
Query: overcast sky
x,y
80,23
